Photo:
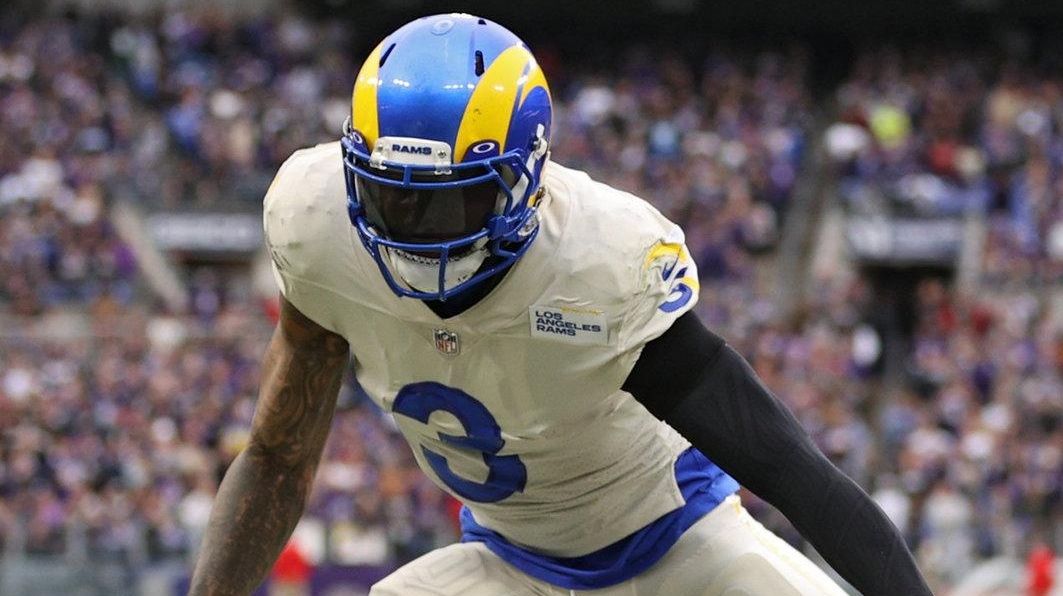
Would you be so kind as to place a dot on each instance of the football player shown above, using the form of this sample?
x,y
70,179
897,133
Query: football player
x,y
531,331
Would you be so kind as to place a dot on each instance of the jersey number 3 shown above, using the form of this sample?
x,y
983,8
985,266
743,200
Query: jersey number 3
x,y
506,473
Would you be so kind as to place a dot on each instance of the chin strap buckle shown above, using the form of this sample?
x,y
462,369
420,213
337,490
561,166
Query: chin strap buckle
x,y
530,224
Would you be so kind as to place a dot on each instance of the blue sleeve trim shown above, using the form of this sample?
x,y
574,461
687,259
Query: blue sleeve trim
x,y
703,486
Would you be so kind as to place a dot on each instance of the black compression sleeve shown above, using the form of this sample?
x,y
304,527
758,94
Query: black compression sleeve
x,y
672,365
707,391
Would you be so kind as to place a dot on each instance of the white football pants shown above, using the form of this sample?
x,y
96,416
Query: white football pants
x,y
726,553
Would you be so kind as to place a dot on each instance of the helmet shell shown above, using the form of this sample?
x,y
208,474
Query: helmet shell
x,y
457,79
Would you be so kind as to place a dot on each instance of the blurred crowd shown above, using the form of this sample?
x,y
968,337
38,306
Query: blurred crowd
x,y
61,250
978,438
176,111
971,460
715,145
966,455
908,132
937,134
1023,143
118,441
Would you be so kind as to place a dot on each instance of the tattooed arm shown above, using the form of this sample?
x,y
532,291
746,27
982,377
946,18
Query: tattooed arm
x,y
265,489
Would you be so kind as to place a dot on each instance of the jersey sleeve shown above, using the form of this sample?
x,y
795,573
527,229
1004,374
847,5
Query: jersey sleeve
x,y
290,226
667,287
273,231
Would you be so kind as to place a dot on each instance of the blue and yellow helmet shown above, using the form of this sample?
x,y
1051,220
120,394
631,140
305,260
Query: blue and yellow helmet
x,y
443,153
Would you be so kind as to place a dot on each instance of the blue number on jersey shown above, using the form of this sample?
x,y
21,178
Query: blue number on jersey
x,y
680,295
506,473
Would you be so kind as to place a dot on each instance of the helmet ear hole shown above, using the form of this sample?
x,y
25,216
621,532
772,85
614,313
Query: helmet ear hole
x,y
479,68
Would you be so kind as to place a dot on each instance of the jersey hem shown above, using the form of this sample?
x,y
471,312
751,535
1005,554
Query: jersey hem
x,y
703,486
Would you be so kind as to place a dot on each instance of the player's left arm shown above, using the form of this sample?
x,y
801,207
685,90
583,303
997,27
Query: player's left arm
x,y
703,388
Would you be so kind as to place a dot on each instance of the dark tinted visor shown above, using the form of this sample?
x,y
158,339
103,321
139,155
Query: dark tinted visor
x,y
424,216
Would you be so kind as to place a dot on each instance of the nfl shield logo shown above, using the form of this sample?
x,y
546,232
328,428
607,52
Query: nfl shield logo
x,y
447,342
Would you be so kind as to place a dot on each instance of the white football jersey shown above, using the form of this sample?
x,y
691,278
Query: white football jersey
x,y
515,405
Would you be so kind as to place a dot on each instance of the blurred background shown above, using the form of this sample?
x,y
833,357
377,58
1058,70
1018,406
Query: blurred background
x,y
873,192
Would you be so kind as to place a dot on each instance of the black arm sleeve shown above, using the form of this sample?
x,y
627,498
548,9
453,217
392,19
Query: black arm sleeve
x,y
690,379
